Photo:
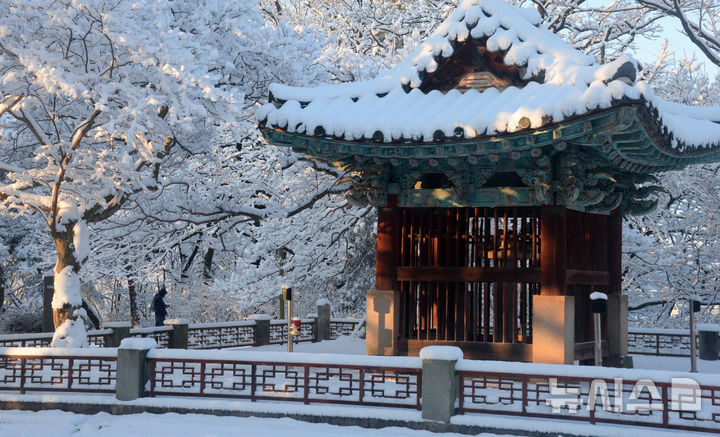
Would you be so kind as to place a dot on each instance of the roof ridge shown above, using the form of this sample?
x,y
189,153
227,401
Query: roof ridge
x,y
507,28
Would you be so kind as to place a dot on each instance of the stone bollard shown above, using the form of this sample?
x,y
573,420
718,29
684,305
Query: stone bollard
x,y
132,371
323,320
439,383
120,331
179,334
262,329
709,336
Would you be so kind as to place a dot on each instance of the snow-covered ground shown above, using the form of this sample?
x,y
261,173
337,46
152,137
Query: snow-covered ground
x,y
351,345
342,345
61,424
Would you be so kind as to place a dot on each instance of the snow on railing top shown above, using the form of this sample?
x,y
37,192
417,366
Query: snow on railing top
x,y
565,371
345,320
118,324
288,357
151,329
713,327
222,324
27,336
659,331
60,352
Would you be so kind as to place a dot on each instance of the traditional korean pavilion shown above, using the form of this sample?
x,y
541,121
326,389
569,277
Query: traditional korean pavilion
x,y
501,161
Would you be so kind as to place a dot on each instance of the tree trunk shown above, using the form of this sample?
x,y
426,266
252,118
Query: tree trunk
x,y
94,318
132,294
65,258
2,288
207,263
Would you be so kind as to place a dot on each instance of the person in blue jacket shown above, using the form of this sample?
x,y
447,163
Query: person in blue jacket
x,y
160,307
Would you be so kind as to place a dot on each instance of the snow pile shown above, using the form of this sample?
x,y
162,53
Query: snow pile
x,y
323,301
564,83
597,295
67,297
259,317
81,241
71,333
138,343
67,289
441,353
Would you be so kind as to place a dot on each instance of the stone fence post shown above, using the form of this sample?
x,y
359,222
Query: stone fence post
x,y
323,320
709,336
262,329
132,369
120,331
439,384
179,334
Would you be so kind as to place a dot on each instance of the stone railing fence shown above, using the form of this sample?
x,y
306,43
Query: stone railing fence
x,y
641,341
674,342
439,383
259,330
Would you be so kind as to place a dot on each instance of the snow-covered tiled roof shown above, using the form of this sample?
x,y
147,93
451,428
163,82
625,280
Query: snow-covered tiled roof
x,y
562,83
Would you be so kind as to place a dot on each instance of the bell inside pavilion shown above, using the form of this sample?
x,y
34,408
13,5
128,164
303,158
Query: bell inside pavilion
x,y
501,161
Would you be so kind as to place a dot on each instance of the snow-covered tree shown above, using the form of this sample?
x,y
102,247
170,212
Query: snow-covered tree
x,y
699,19
96,97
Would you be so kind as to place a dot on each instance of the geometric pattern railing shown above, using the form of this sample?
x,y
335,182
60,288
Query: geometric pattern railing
x,y
96,338
43,339
281,381
578,398
340,327
26,340
559,393
77,372
216,336
278,331
200,336
669,343
661,342
161,334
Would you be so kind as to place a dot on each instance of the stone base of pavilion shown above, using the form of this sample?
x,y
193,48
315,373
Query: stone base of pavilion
x,y
553,327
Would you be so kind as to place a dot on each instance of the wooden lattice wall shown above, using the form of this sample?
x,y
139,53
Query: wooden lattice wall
x,y
466,276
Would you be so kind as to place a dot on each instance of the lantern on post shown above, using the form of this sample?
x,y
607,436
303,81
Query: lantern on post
x,y
695,302
287,294
599,306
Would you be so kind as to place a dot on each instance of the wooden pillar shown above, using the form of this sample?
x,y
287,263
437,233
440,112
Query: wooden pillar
x,y
553,251
553,310
388,245
614,252
383,311
617,315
